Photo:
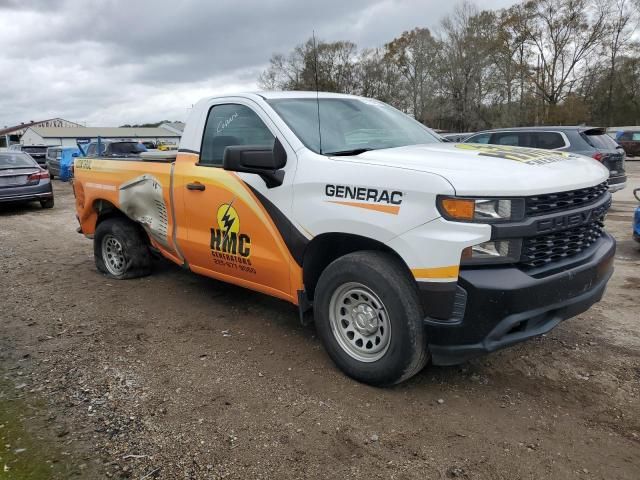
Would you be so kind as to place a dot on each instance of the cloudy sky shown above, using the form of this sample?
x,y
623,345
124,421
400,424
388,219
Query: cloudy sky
x,y
109,62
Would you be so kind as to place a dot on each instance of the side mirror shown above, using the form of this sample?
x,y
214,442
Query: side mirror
x,y
257,159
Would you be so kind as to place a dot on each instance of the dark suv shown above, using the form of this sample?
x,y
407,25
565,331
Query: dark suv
x,y
37,152
590,141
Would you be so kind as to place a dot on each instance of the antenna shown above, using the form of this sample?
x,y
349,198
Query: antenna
x,y
315,68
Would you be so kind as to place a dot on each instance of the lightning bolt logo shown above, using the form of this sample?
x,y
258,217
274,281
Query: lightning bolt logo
x,y
228,219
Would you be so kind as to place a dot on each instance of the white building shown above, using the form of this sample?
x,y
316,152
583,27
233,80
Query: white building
x,y
70,136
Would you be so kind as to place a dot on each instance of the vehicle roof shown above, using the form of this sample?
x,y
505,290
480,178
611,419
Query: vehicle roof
x,y
543,128
272,95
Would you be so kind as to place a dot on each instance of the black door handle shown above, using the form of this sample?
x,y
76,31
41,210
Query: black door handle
x,y
195,186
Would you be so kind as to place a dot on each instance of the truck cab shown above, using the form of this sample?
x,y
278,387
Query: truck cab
x,y
407,249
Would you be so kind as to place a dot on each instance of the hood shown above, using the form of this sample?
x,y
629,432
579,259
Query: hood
x,y
475,169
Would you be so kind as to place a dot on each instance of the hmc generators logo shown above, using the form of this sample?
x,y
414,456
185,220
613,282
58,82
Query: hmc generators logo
x,y
227,240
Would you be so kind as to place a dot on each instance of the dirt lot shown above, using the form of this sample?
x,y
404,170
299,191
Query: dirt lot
x,y
178,376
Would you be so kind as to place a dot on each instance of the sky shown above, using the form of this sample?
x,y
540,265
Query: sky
x,y
111,62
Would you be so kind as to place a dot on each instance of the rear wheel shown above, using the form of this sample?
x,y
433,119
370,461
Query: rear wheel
x,y
369,318
48,203
121,249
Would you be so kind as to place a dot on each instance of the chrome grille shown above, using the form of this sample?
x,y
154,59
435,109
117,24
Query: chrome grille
x,y
554,202
544,249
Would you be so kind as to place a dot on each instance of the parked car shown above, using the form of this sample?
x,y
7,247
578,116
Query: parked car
x,y
38,152
636,217
408,249
58,155
630,141
456,137
114,148
590,141
22,179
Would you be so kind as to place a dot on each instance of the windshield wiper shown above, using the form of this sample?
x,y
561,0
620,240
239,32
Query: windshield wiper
x,y
347,153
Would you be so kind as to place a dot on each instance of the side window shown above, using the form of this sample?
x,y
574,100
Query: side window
x,y
548,140
636,136
508,138
625,136
482,138
229,125
91,150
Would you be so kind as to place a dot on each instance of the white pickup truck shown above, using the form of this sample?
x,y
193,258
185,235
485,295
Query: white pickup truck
x,y
407,249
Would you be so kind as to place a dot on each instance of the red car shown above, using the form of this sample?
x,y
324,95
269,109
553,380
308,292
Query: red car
x,y
630,141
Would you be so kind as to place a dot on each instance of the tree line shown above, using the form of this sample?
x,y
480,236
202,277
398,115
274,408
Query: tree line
x,y
538,62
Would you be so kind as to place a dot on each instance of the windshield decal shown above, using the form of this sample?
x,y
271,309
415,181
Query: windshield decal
x,y
530,156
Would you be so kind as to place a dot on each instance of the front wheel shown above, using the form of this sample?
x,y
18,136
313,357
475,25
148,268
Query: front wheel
x,y
369,318
121,249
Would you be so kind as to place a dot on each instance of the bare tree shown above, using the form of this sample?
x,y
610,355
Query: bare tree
x,y
620,29
414,54
564,33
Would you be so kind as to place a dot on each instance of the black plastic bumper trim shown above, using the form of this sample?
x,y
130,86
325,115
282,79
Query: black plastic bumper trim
x,y
437,298
506,305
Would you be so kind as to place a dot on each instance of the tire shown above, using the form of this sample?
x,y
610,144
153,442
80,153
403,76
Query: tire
x,y
121,249
379,292
48,203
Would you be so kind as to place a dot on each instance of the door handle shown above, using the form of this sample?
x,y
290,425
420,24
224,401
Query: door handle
x,y
195,186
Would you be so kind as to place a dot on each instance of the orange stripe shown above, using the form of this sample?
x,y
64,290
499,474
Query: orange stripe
x,y
437,272
393,209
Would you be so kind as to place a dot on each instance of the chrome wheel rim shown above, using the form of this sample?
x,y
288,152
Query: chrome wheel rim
x,y
113,255
359,322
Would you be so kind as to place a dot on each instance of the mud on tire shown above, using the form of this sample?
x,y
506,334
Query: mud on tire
x,y
369,318
121,249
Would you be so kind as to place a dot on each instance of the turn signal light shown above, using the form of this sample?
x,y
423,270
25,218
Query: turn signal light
x,y
459,209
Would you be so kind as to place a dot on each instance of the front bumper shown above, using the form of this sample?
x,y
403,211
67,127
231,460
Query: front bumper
x,y
505,306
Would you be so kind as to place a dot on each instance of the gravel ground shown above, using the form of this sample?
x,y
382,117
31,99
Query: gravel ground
x,y
178,376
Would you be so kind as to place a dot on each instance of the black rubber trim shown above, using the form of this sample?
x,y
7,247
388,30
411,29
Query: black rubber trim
x,y
186,150
437,298
296,242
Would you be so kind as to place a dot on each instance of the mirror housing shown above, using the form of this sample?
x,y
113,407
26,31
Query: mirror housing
x,y
258,159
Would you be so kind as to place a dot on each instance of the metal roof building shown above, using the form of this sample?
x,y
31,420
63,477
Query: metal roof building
x,y
69,136
9,135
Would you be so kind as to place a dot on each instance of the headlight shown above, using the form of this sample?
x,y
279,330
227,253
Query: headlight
x,y
481,210
492,252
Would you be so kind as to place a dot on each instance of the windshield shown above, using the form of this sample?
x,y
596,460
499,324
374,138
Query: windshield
x,y
350,125
125,148
15,160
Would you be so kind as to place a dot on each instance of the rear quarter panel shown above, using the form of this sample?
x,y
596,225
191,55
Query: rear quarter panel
x,y
139,189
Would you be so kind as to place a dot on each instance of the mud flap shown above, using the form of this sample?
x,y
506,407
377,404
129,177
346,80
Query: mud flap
x,y
304,308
